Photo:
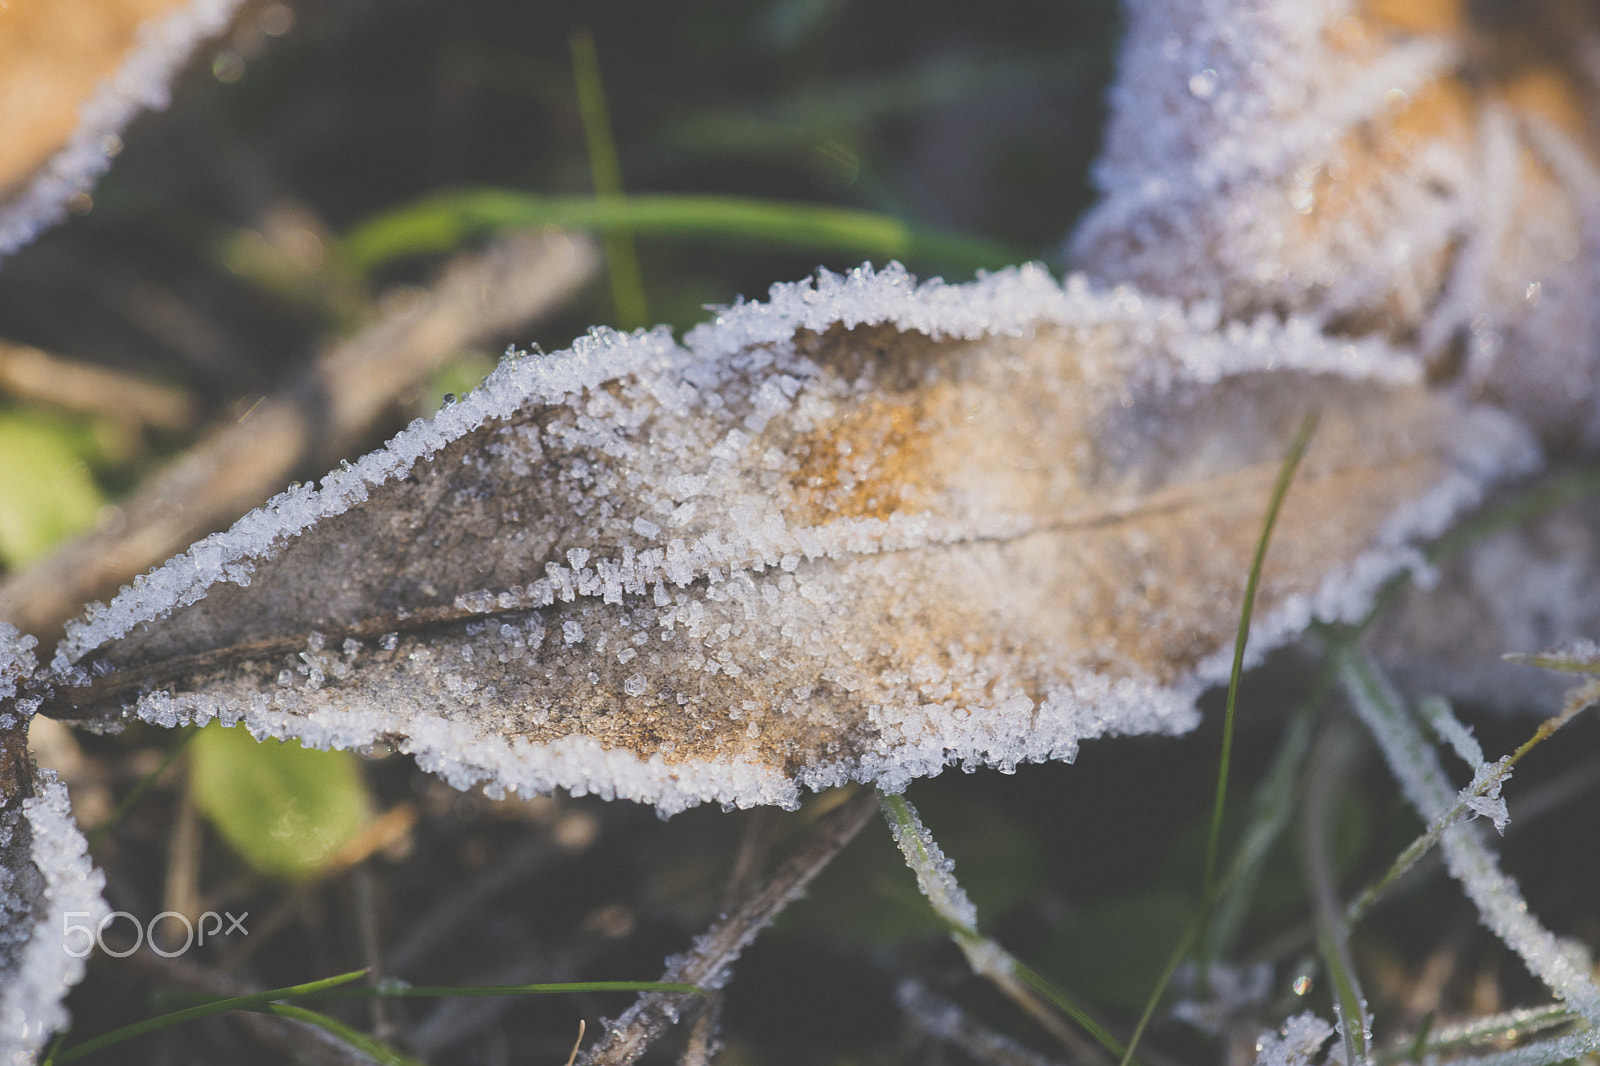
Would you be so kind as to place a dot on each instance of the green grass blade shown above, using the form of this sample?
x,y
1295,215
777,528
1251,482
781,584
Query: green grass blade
x,y
386,991
441,223
369,1046
1291,463
627,287
1271,810
203,1010
987,958
136,793
1331,763
1179,950
1062,1003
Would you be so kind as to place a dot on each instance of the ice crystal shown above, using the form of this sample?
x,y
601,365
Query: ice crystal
x,y
1296,1044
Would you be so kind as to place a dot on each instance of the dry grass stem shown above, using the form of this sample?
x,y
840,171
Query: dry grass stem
x,y
314,422
706,963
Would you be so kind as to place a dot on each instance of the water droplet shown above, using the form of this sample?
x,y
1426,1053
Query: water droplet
x,y
1302,985
1204,84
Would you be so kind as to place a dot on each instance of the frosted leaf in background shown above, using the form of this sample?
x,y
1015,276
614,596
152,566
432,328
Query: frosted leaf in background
x,y
45,876
72,76
1398,168
47,884
864,530
1519,591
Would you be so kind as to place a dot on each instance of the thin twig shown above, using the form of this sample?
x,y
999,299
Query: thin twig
x,y
703,1041
312,423
35,376
706,963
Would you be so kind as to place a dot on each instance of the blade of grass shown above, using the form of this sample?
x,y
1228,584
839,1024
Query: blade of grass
x,y
203,1010
1511,1025
136,793
627,288
388,991
1331,763
1562,1049
936,878
1501,906
1291,463
442,222
369,1046
1578,700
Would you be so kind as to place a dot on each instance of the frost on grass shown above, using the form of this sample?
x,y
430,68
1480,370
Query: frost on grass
x,y
864,530
46,882
1563,965
1296,1044
1427,171
70,80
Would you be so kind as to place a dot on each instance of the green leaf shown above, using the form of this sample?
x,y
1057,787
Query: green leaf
x,y
284,808
46,491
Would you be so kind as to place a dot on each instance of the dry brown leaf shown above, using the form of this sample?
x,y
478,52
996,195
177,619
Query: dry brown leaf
x,y
1429,171
72,74
862,532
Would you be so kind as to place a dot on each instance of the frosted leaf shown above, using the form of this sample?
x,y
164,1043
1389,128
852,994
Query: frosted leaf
x,y
894,527
1296,1044
47,886
69,86
1381,167
1521,591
